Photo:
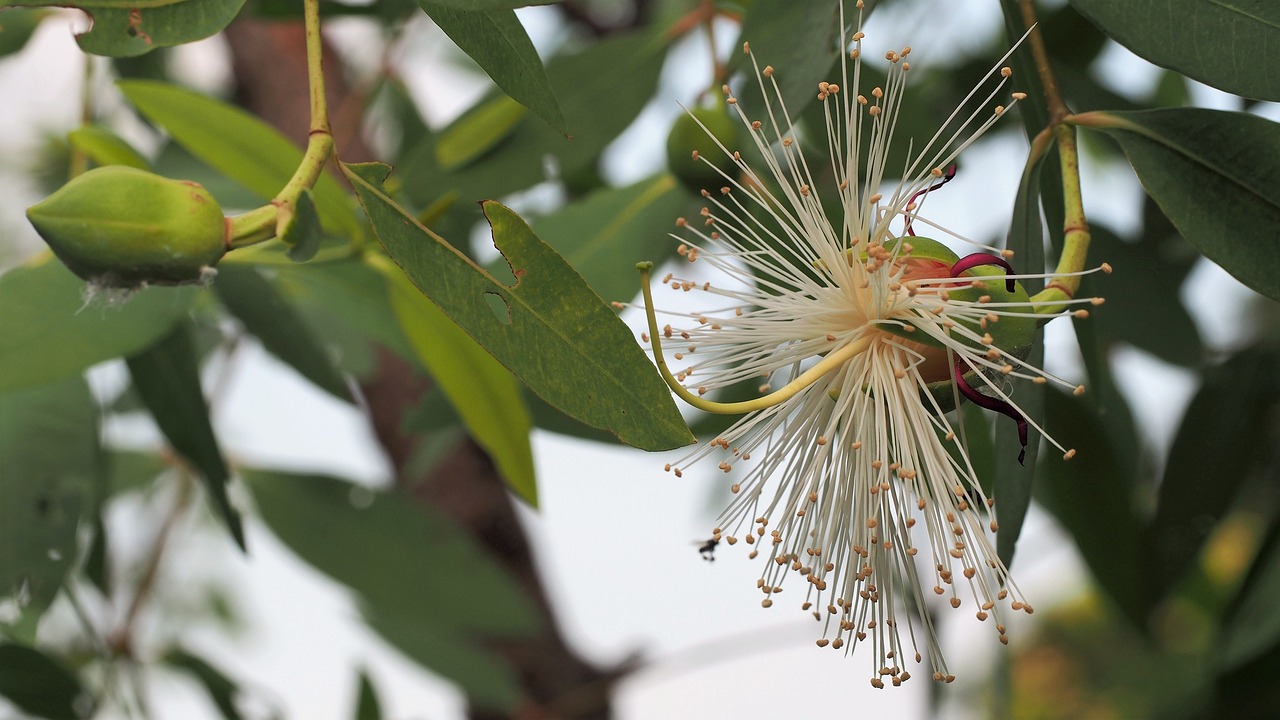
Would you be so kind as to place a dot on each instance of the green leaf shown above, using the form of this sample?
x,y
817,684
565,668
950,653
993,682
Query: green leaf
x,y
256,303
1144,284
1207,170
601,90
1090,497
1229,44
425,585
1253,626
105,147
302,234
40,686
49,442
1225,432
550,329
478,131
1013,481
485,394
16,28
802,43
167,378
605,234
125,28
496,40
367,705
238,145
48,330
490,4
222,691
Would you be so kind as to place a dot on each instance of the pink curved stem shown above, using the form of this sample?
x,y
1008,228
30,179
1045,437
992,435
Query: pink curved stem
x,y
987,402
969,262
947,175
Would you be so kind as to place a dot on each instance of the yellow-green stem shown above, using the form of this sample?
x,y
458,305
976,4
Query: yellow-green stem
x,y
1075,228
832,361
268,221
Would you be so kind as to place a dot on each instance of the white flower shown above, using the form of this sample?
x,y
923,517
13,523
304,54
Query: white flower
x,y
869,335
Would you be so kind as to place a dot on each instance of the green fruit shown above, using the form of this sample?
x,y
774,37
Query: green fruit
x,y
687,137
123,227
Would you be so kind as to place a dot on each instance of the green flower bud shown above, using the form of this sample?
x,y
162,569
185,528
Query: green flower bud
x,y
122,227
689,147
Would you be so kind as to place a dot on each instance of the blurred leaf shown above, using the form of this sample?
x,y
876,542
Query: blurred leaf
x,y
254,301
1088,495
39,685
367,705
1034,112
237,144
17,27
801,41
1225,431
105,147
601,91
123,28
485,394
605,234
176,161
406,561
490,4
49,442
131,470
49,330
1144,285
1220,43
496,40
478,131
167,378
587,363
1206,169
97,568
222,691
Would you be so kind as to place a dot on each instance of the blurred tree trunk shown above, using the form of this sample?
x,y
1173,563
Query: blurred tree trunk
x,y
269,63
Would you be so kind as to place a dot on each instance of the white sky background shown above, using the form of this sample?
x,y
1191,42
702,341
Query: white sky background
x,y
613,535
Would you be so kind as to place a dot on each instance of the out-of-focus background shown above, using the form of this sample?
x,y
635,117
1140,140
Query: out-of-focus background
x,y
614,539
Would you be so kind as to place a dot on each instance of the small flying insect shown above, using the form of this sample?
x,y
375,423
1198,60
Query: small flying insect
x,y
707,549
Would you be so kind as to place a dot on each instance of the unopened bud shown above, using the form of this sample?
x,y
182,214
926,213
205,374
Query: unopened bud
x,y
123,227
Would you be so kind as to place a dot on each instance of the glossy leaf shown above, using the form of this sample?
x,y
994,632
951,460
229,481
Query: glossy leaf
x,y
1091,498
237,144
1229,44
404,559
124,28
49,442
486,396
38,685
1225,432
801,41
167,378
587,363
605,234
496,40
49,330
253,299
222,691
105,147
1201,167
